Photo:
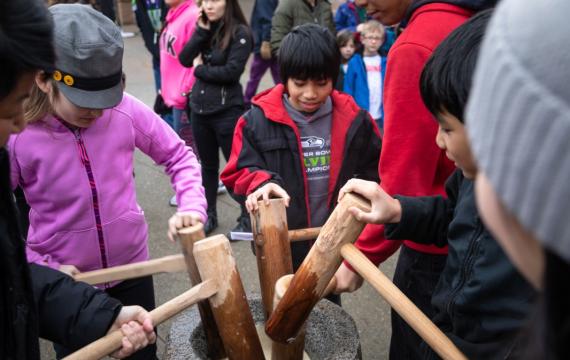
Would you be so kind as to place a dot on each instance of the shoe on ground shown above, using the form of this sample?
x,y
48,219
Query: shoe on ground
x,y
243,225
173,202
127,34
211,223
221,188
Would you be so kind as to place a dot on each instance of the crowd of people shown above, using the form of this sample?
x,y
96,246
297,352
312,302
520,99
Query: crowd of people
x,y
440,113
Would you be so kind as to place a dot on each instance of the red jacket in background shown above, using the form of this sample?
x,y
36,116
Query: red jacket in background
x,y
411,163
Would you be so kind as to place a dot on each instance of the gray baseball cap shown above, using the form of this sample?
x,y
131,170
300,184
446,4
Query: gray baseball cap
x,y
89,56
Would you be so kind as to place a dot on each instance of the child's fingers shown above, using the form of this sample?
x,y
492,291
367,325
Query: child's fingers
x,y
172,230
348,187
138,336
248,205
147,324
265,196
126,349
287,200
356,212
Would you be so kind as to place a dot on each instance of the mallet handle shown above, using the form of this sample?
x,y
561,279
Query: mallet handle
x,y
167,264
304,234
111,342
425,328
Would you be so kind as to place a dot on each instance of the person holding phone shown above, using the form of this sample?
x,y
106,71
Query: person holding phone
x,y
218,51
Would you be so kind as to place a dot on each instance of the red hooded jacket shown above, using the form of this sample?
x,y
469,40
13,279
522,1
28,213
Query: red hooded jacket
x,y
411,164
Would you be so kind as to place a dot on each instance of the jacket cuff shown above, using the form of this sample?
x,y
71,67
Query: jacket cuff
x,y
203,33
404,229
108,313
198,210
259,181
198,71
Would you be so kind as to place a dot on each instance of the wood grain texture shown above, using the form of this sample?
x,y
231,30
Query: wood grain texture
x,y
316,271
188,236
167,264
304,234
215,261
272,248
425,328
295,349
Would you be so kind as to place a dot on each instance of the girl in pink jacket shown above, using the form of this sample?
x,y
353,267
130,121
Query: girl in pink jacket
x,y
177,80
75,159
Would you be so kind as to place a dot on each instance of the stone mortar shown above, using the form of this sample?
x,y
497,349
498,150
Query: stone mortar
x,y
331,333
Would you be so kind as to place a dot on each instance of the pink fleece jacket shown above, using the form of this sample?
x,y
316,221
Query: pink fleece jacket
x,y
176,79
81,189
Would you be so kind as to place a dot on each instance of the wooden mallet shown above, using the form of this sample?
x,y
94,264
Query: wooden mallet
x,y
215,260
316,271
188,237
112,342
425,328
167,264
272,248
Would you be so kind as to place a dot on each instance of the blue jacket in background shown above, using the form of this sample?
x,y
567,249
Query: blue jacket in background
x,y
346,17
261,22
356,81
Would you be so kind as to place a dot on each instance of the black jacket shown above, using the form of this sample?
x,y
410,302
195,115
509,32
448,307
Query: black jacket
x,y
217,85
36,301
481,301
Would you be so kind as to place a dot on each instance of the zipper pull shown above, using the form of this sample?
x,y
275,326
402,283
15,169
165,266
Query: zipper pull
x,y
81,147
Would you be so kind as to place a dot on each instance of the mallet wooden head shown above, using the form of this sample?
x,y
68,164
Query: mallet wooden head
x,y
311,280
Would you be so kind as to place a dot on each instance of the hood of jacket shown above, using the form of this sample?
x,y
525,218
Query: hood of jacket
x,y
270,101
474,5
173,13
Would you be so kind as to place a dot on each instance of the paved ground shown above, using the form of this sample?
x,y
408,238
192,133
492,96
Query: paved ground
x,y
370,312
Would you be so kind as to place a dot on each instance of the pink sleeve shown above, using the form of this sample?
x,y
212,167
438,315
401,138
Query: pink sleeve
x,y
14,165
156,139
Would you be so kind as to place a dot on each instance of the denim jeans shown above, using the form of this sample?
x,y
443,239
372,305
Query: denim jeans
x,y
177,119
416,275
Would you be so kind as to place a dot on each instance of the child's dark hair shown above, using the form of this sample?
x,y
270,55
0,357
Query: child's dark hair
x,y
309,52
26,41
343,37
446,78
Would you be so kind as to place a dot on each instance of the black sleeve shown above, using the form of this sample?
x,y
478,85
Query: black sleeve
x,y
425,219
71,313
239,50
194,46
246,169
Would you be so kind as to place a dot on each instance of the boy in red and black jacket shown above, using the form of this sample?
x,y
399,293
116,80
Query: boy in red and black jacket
x,y
302,140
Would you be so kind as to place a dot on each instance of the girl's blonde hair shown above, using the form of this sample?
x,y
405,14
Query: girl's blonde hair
x,y
39,104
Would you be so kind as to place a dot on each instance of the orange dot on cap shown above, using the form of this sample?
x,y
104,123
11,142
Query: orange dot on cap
x,y
57,75
68,80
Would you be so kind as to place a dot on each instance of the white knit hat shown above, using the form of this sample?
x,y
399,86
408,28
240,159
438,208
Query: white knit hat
x,y
518,116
